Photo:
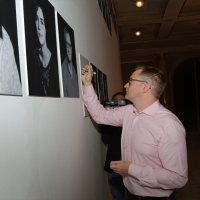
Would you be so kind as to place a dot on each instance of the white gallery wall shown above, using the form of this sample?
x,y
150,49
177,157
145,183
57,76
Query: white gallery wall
x,y
48,149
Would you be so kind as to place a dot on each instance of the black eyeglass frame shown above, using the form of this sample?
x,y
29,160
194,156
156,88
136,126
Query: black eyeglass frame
x,y
132,79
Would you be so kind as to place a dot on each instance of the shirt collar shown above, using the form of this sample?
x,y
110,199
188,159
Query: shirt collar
x,y
150,110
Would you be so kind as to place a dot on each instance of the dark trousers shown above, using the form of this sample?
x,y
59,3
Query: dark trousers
x,y
116,185
135,197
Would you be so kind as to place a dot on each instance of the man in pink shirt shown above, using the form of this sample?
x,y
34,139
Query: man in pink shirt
x,y
154,153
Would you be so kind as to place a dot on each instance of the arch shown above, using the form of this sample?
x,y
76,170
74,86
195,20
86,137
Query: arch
x,y
171,76
178,62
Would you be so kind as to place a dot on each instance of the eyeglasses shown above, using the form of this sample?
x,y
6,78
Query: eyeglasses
x,y
69,46
131,80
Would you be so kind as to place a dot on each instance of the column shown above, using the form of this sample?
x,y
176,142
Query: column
x,y
161,64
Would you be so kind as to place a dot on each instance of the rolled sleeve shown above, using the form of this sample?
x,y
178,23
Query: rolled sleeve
x,y
98,112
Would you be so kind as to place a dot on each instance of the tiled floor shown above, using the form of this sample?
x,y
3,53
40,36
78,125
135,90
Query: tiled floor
x,y
192,189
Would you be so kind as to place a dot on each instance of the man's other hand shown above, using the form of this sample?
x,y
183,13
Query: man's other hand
x,y
120,167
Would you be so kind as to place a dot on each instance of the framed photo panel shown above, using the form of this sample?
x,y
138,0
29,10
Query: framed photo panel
x,y
95,80
41,48
83,61
68,59
100,3
10,78
100,84
105,88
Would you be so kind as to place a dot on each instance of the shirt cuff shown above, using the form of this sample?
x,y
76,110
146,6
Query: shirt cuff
x,y
134,171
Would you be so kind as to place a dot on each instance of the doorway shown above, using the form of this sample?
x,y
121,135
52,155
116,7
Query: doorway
x,y
186,86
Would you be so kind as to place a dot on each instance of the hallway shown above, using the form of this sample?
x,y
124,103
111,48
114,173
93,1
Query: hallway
x,y
192,189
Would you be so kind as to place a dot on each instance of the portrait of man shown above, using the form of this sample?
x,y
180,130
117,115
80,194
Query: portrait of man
x,y
68,59
10,83
41,48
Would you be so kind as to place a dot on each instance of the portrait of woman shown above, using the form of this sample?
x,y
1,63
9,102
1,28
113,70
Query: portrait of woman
x,y
42,66
9,75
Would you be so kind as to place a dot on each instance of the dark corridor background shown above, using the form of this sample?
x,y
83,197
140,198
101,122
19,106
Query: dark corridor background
x,y
187,94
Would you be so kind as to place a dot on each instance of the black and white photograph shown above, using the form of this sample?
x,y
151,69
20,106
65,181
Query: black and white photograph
x,y
106,9
82,62
68,59
108,15
100,84
41,49
105,88
10,78
113,19
95,80
100,4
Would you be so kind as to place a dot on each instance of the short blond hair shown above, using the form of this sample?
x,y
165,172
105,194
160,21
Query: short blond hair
x,y
155,77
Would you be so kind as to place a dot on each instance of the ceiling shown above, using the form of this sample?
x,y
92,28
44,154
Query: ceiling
x,y
168,26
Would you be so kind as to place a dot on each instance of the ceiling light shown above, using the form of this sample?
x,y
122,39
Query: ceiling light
x,y
137,31
139,3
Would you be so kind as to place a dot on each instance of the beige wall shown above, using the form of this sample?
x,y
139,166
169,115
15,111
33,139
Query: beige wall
x,y
48,150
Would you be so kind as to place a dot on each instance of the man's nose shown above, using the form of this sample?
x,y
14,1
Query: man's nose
x,y
126,85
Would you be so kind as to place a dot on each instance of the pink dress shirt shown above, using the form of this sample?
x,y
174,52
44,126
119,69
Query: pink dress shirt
x,y
152,140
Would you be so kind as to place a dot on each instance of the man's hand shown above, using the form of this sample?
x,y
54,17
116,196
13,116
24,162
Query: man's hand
x,y
87,75
120,167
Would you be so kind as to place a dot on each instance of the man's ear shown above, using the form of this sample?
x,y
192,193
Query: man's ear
x,y
146,87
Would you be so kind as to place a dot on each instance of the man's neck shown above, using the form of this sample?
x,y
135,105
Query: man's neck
x,y
141,105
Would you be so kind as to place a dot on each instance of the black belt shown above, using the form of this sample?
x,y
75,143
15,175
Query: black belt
x,y
135,197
